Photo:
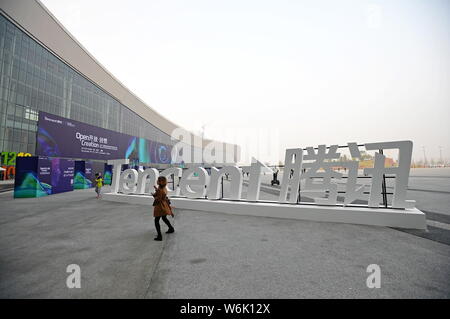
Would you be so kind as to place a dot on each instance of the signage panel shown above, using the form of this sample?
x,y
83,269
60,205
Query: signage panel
x,y
62,137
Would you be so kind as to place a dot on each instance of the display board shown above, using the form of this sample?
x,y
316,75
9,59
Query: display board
x,y
62,175
88,172
33,177
98,167
107,176
62,137
82,177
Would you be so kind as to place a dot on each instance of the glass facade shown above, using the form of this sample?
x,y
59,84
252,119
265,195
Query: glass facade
x,y
33,79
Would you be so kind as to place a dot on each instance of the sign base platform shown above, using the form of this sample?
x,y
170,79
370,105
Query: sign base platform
x,y
400,218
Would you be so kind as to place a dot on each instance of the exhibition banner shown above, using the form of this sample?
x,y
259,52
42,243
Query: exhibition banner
x,y
107,176
81,179
33,177
45,171
97,167
62,175
88,172
62,137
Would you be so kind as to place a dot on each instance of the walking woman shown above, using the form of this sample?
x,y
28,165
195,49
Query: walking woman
x,y
161,207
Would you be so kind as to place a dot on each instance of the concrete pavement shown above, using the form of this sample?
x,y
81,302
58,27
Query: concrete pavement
x,y
113,245
209,256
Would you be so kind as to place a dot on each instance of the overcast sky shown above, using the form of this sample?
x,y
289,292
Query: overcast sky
x,y
303,72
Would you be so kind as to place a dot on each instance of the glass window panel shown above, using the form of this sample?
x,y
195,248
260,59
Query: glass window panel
x,y
25,127
22,147
7,145
31,149
19,112
11,109
16,135
31,137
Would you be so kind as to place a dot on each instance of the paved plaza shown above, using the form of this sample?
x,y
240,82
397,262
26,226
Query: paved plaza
x,y
211,255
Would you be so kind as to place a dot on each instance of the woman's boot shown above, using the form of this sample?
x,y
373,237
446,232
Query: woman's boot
x,y
171,229
158,229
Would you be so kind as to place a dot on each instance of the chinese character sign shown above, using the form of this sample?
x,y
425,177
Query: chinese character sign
x,y
317,173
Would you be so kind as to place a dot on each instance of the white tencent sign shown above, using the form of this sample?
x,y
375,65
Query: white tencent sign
x,y
307,171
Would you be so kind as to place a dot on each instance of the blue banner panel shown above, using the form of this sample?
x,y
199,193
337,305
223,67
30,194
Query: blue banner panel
x,y
88,171
63,171
33,177
97,167
61,137
107,176
80,179
45,170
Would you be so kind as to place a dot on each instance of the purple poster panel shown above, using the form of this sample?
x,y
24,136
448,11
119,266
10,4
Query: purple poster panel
x,y
44,170
80,180
61,137
89,173
97,167
62,175
26,183
107,176
32,177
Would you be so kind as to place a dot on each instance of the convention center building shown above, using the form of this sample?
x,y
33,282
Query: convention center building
x,y
48,77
